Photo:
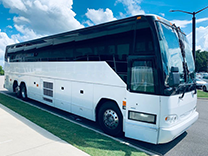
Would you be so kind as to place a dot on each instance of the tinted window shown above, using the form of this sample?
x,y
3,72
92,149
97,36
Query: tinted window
x,y
144,42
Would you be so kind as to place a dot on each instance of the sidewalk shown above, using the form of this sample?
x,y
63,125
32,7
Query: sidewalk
x,y
20,137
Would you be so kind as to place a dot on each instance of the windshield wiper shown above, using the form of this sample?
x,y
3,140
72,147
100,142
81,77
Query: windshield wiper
x,y
193,85
183,53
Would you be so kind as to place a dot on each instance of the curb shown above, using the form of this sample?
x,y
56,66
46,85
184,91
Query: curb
x,y
202,98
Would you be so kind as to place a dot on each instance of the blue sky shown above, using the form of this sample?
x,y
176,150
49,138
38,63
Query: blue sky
x,y
23,20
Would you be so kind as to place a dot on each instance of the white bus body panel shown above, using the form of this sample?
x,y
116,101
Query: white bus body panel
x,y
185,111
142,130
62,98
162,106
77,86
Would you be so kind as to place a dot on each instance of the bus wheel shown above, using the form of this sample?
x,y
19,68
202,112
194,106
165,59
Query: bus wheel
x,y
204,88
17,91
110,119
23,91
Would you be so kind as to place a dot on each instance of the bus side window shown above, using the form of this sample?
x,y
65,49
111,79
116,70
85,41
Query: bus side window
x,y
144,42
142,77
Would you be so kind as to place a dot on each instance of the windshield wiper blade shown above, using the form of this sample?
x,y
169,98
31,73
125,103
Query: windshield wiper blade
x,y
184,91
188,86
183,53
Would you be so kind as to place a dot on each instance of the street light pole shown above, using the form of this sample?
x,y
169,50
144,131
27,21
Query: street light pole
x,y
193,28
194,36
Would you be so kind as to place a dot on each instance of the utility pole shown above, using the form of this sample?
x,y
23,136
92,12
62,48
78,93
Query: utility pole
x,y
193,28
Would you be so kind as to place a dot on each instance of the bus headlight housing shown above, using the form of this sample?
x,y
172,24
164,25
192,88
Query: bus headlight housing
x,y
142,117
171,118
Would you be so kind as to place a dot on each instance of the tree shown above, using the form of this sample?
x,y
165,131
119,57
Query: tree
x,y
201,61
1,71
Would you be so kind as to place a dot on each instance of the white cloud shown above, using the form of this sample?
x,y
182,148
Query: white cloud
x,y
132,6
201,38
28,33
20,19
184,23
99,16
201,33
201,20
181,23
15,5
42,17
4,41
9,26
162,14
36,18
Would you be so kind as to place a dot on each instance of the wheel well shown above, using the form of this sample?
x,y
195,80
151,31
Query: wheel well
x,y
22,83
15,84
101,102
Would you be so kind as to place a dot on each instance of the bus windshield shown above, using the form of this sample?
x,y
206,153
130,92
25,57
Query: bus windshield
x,y
172,54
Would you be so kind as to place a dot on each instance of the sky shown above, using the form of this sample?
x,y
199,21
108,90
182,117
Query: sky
x,y
23,20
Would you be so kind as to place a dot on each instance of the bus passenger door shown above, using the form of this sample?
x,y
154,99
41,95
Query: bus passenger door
x,y
142,105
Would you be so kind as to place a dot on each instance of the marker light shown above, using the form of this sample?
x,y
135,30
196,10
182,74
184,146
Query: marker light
x,y
139,17
124,105
158,18
171,118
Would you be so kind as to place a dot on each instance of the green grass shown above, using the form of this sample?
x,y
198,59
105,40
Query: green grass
x,y
87,140
202,94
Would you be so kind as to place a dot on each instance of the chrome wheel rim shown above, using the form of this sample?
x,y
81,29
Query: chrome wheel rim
x,y
110,119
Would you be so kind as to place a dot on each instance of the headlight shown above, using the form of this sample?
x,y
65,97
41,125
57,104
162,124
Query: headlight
x,y
142,117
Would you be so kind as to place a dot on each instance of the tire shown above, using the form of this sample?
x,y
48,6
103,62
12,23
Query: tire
x,y
17,92
15,85
110,119
204,88
23,92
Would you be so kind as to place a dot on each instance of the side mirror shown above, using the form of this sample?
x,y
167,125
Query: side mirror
x,y
174,77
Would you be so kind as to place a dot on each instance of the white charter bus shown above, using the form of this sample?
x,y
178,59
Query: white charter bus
x,y
133,76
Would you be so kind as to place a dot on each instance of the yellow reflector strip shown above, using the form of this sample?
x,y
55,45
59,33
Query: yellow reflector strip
x,y
139,17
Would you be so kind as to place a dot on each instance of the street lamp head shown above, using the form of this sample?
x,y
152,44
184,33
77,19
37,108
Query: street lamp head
x,y
181,11
171,10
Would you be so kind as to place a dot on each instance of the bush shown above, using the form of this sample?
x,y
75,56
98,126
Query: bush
x,y
1,71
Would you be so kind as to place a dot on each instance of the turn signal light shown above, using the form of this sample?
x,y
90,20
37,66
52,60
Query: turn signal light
x,y
124,105
171,118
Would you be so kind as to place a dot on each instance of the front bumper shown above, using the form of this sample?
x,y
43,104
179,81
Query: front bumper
x,y
170,133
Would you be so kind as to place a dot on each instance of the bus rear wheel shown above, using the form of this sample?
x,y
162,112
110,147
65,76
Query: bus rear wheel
x,y
23,91
110,119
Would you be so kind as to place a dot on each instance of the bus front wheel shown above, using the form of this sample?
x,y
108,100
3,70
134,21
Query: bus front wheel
x,y
110,119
